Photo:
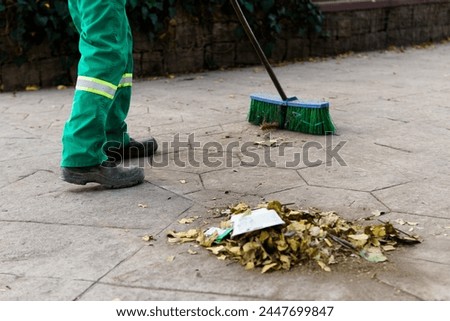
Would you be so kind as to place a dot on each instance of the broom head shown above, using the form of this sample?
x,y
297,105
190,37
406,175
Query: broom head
x,y
311,117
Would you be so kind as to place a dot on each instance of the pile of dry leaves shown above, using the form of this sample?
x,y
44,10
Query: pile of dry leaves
x,y
306,235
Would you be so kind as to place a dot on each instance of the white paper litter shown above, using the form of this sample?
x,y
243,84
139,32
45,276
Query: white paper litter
x,y
256,220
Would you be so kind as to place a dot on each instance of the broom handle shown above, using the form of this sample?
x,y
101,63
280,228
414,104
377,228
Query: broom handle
x,y
257,47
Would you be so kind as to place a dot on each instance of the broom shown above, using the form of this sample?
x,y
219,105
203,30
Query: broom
x,y
310,117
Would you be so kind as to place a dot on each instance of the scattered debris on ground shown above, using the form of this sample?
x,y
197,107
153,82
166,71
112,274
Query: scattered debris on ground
x,y
294,237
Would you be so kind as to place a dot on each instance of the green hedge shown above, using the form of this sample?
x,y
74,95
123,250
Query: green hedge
x,y
29,23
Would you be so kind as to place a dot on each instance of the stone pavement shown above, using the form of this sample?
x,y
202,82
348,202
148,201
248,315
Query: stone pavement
x,y
392,111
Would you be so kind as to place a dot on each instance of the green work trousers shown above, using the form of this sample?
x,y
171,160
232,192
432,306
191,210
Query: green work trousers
x,y
103,89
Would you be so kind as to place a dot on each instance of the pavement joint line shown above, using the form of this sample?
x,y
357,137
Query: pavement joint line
x,y
168,190
391,186
164,229
18,138
11,274
78,297
419,215
339,188
380,201
31,276
201,181
301,177
394,148
225,190
181,291
397,288
26,176
73,224
425,260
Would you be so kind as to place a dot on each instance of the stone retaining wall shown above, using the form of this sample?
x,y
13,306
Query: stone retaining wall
x,y
191,47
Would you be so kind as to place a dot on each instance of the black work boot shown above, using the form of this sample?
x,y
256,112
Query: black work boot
x,y
108,174
135,149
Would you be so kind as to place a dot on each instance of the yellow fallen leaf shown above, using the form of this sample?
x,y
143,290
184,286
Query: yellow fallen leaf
x,y
268,267
377,213
148,238
331,260
358,240
32,88
170,258
188,220
192,252
314,231
378,231
388,248
323,266
267,143
239,208
216,250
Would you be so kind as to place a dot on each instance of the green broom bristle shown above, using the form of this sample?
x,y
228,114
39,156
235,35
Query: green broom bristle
x,y
264,112
311,117
308,120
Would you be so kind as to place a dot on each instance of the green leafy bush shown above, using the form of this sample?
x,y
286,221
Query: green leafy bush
x,y
28,23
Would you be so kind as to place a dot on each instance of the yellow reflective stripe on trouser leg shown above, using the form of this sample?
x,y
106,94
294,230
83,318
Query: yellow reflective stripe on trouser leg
x,y
96,86
126,81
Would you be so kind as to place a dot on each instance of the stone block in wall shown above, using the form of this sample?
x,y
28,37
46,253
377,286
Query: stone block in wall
x,y
361,22
376,40
437,31
297,48
399,37
245,54
319,47
54,71
74,73
378,20
441,15
220,55
422,34
344,27
399,18
224,31
423,15
18,77
279,51
141,43
148,63
183,60
188,34
359,43
41,51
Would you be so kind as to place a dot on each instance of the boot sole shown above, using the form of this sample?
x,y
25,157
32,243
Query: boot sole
x,y
83,179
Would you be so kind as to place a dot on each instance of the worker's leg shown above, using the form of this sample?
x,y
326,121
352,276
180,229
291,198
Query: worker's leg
x,y
104,35
103,62
116,127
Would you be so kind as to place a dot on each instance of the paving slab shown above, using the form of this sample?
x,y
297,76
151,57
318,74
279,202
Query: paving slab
x,y
23,288
390,154
350,204
152,268
53,201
